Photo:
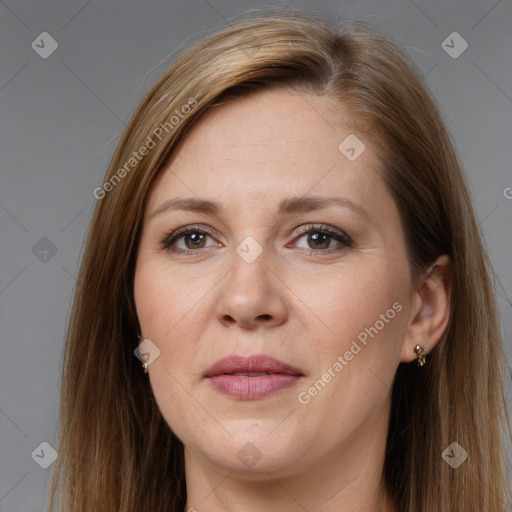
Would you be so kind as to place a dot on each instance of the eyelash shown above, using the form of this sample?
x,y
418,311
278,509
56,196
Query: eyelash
x,y
345,241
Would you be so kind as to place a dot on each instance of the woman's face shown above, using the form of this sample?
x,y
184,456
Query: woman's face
x,y
275,270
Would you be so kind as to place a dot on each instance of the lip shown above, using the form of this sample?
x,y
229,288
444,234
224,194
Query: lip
x,y
224,376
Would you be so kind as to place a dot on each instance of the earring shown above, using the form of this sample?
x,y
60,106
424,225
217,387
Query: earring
x,y
421,355
144,364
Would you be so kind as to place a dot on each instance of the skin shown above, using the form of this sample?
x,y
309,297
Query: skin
x,y
304,309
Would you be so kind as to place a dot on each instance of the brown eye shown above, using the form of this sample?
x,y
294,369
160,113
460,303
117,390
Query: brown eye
x,y
193,239
319,238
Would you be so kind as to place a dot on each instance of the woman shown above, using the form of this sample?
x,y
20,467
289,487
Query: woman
x,y
284,302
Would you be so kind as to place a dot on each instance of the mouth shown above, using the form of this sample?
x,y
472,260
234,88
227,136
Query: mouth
x,y
252,377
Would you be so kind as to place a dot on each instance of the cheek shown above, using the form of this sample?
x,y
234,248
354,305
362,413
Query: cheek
x,y
362,319
169,306
166,307
357,355
161,297
351,302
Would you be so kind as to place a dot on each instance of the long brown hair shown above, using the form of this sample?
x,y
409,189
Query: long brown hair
x,y
116,452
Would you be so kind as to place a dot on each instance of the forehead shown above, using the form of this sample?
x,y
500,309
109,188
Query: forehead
x,y
270,126
257,150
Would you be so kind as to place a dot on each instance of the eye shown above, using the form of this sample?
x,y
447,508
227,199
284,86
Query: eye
x,y
319,237
194,237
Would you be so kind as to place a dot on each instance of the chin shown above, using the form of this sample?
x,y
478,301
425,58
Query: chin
x,y
252,451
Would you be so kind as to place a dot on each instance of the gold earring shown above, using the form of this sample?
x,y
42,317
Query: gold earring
x,y
421,355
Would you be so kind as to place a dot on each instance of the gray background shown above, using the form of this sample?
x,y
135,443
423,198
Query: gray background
x,y
62,116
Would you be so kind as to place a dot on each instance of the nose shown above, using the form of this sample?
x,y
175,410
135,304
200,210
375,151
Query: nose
x,y
252,295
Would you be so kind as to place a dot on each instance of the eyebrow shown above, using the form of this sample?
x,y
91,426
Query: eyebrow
x,y
286,206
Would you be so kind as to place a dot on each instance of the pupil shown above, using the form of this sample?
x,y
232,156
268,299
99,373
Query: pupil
x,y
195,237
315,236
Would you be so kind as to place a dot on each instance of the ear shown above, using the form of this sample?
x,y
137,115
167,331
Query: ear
x,y
430,310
